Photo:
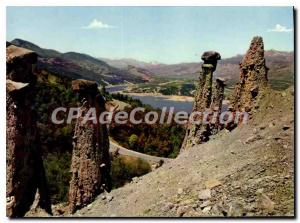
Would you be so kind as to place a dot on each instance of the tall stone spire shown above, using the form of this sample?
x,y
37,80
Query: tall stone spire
x,y
90,159
25,175
253,77
204,100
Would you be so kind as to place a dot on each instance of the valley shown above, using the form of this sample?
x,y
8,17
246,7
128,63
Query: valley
x,y
134,157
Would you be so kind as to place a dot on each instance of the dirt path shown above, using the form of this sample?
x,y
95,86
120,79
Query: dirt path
x,y
123,151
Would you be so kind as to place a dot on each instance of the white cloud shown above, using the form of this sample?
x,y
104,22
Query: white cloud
x,y
280,28
96,24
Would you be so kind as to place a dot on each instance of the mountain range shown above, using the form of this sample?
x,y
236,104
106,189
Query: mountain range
x,y
117,71
281,64
82,66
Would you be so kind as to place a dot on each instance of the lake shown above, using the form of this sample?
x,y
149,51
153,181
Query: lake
x,y
116,88
157,101
160,102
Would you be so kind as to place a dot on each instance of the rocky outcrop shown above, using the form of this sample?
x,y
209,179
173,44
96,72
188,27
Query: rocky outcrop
x,y
253,82
253,77
224,177
205,101
216,105
90,160
25,175
218,95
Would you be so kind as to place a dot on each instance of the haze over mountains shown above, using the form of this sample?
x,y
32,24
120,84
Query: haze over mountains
x,y
279,62
77,65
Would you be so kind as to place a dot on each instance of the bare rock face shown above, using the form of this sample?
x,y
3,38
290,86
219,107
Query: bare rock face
x,y
218,95
206,100
253,77
20,63
211,57
216,104
90,160
25,173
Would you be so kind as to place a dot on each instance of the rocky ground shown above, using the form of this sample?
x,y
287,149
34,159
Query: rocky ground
x,y
246,172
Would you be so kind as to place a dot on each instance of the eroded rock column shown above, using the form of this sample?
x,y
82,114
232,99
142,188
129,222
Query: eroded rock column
x,y
216,105
253,77
90,160
198,133
25,175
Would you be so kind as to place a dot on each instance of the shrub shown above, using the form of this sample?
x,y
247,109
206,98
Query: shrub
x,y
57,168
133,139
124,168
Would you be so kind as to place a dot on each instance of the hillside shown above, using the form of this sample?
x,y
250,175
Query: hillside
x,y
246,172
76,65
123,63
281,66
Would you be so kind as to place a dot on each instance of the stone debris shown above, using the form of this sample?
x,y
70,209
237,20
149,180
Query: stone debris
x,y
168,206
211,183
135,179
252,139
204,194
179,191
109,198
205,204
264,201
236,209
181,211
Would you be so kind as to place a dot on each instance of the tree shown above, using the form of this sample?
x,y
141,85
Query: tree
x,y
133,140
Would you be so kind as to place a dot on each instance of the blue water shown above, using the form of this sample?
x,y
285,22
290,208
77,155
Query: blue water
x,y
157,101
160,102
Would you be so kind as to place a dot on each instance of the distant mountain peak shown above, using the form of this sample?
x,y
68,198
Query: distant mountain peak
x,y
24,42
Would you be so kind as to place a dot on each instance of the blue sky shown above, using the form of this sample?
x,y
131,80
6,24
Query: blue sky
x,y
161,34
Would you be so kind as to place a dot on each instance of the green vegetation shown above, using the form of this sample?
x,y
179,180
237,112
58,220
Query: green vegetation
x,y
283,82
166,87
54,91
124,168
57,168
280,78
133,102
133,139
162,140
